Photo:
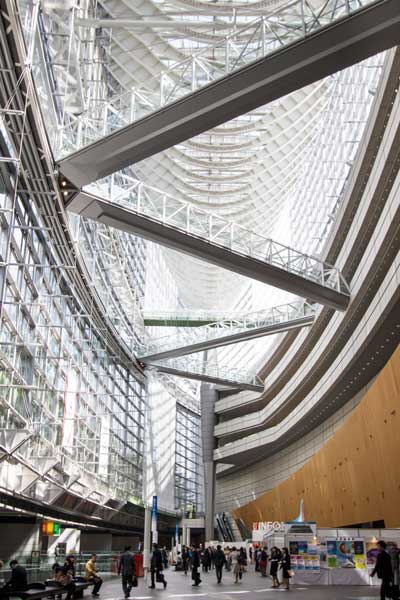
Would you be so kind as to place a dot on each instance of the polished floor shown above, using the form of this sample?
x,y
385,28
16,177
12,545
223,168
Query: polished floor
x,y
252,587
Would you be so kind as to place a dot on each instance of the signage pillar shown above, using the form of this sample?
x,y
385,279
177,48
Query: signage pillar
x,y
154,532
146,541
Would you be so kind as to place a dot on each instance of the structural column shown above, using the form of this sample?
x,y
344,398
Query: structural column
x,y
187,536
208,397
184,535
146,540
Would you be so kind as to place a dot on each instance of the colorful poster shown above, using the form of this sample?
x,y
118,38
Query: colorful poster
x,y
346,554
298,547
321,550
372,553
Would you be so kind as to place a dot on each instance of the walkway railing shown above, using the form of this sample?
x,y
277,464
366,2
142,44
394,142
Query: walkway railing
x,y
190,219
186,319
279,318
205,371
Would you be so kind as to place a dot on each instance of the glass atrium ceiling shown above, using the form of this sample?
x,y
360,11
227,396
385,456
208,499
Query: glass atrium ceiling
x,y
279,171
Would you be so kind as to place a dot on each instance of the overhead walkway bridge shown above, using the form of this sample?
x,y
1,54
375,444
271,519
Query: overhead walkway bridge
x,y
230,331
201,370
149,213
298,44
187,319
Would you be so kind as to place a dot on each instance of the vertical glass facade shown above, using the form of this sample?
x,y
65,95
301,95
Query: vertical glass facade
x,y
66,398
188,462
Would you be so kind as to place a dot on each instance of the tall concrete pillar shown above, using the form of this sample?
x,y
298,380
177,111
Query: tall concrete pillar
x,y
184,535
146,540
208,397
187,536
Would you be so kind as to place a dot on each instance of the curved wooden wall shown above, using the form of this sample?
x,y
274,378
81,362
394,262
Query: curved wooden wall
x,y
355,476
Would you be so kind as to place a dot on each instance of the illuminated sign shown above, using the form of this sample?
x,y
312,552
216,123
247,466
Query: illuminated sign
x,y
51,528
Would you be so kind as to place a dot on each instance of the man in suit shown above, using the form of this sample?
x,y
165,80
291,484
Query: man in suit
x,y
126,568
156,567
383,568
19,578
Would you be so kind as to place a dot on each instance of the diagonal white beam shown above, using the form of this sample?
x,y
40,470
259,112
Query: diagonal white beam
x,y
180,115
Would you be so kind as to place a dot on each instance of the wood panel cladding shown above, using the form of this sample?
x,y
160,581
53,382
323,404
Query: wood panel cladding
x,y
355,476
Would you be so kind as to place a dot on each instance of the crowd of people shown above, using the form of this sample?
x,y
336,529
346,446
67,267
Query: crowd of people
x,y
198,561
64,575
236,561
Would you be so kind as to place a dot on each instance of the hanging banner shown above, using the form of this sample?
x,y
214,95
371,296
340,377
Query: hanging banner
x,y
154,531
177,533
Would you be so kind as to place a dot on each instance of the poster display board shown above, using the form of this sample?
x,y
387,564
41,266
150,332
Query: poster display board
x,y
346,553
304,556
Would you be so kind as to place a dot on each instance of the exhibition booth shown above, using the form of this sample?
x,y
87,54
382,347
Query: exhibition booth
x,y
321,556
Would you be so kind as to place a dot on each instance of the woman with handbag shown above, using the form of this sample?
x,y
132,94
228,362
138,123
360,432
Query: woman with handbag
x,y
286,568
64,578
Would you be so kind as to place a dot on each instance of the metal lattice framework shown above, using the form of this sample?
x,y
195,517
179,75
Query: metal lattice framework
x,y
194,368
58,346
151,203
289,23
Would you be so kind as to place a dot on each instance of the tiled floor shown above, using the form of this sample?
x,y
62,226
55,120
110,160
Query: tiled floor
x,y
252,587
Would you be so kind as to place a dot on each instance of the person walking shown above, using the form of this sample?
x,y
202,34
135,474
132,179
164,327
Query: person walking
x,y
212,557
228,558
263,562
285,566
236,564
219,560
195,566
92,575
257,558
185,559
393,551
156,568
383,568
164,554
274,560
126,568
206,560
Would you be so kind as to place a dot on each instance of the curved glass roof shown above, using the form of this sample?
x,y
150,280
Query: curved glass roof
x,y
279,170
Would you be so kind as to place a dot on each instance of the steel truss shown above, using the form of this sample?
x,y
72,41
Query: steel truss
x,y
230,331
57,345
297,45
200,370
147,212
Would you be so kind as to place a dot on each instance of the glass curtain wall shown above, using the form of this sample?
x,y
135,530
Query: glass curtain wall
x,y
63,394
188,463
